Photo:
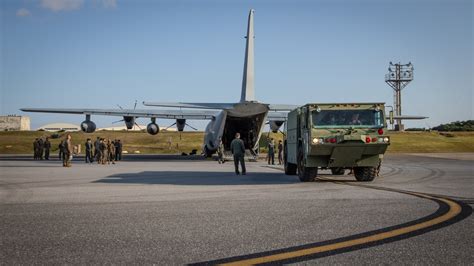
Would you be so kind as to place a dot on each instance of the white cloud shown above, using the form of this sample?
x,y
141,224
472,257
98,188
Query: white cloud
x,y
62,5
109,3
23,12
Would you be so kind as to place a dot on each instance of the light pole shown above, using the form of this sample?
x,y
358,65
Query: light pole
x,y
398,78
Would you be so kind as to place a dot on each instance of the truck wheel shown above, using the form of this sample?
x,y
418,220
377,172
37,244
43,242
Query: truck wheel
x,y
306,174
290,168
365,174
337,171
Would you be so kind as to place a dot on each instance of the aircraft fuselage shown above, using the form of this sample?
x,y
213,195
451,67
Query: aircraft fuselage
x,y
246,118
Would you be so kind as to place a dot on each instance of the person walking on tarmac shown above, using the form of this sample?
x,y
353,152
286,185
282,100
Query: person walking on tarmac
x,y
47,148
237,147
68,149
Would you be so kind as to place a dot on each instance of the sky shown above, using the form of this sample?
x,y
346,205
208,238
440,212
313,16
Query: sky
x,y
100,53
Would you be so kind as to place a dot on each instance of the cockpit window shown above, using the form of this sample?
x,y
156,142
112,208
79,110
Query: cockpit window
x,y
347,118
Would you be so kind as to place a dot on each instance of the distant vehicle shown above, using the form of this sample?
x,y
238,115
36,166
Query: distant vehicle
x,y
248,116
337,137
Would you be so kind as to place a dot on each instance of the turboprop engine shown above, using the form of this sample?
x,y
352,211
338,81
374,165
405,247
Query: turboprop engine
x,y
180,124
88,126
129,121
152,128
275,125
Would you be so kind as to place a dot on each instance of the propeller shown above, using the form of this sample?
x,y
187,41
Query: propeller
x,y
135,123
166,128
184,123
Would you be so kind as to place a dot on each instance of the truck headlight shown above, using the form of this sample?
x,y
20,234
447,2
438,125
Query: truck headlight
x,y
386,139
318,141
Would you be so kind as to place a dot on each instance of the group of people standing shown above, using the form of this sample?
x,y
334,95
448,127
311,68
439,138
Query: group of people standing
x,y
41,149
271,152
104,151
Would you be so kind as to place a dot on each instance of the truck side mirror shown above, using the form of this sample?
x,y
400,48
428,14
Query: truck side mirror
x,y
390,115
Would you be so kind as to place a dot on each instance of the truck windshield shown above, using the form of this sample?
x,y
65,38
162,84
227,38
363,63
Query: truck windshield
x,y
347,118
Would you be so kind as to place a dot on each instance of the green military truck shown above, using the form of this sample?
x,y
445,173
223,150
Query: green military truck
x,y
336,137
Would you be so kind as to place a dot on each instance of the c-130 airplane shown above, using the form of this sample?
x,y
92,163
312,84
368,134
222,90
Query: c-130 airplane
x,y
248,116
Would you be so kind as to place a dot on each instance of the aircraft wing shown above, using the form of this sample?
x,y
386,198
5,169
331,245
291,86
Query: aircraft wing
x,y
164,114
219,106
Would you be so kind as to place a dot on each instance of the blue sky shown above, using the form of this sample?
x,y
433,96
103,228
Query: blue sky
x,y
99,53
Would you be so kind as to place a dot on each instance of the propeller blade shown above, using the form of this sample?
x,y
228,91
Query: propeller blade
x,y
135,106
138,126
170,125
117,121
191,126
120,107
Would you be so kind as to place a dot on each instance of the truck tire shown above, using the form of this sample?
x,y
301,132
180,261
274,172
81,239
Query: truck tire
x,y
337,171
306,174
290,168
365,174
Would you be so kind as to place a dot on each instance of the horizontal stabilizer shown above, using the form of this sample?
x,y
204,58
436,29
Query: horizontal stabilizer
x,y
282,107
408,117
192,105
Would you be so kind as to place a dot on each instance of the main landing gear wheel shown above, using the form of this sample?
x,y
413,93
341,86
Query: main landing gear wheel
x,y
365,174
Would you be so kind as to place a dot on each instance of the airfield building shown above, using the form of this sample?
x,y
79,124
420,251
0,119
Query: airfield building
x,y
14,123
60,127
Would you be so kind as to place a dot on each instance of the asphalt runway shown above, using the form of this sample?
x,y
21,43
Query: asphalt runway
x,y
171,210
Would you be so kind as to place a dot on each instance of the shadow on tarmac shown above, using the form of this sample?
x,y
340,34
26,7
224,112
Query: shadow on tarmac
x,y
198,178
127,157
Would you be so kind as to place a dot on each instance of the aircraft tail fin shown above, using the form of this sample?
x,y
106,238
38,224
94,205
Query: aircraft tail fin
x,y
248,89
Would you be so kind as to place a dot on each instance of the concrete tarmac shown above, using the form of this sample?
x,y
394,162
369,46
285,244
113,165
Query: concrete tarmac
x,y
173,211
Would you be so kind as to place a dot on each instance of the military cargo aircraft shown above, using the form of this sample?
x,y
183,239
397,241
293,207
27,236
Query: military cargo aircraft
x,y
248,116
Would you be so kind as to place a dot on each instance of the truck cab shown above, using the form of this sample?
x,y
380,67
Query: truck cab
x,y
335,136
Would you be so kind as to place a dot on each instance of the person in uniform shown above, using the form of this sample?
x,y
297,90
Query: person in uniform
x,y
40,148
280,152
355,120
47,148
237,147
103,151
89,152
271,151
97,149
35,149
68,149
220,152
110,152
61,150
119,150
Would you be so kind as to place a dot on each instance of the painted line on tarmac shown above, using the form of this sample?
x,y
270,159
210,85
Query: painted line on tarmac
x,y
449,212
